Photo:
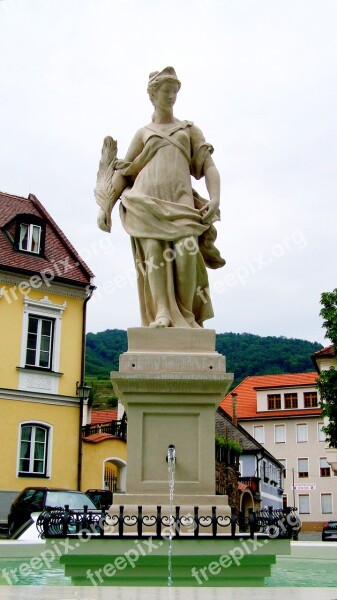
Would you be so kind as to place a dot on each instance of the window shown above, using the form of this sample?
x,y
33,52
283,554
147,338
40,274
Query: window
x,y
290,401
303,504
303,467
274,401
284,501
258,433
30,236
283,462
41,339
27,233
326,504
280,434
265,471
301,432
321,434
33,450
39,342
324,468
310,399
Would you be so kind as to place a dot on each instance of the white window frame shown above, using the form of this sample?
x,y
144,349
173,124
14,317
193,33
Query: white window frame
x,y
324,466
330,512
48,458
320,434
283,462
261,429
298,425
43,308
299,503
38,346
298,470
278,427
30,233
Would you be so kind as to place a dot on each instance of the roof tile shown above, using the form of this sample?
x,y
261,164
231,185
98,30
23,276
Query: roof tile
x,y
103,416
247,396
61,258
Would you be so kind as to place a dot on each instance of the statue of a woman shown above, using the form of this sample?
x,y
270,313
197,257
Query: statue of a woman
x,y
170,225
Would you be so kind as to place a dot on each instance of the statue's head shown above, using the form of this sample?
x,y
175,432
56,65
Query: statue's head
x,y
156,78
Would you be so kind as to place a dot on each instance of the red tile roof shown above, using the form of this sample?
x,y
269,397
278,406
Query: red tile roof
x,y
328,351
103,416
95,438
61,258
247,395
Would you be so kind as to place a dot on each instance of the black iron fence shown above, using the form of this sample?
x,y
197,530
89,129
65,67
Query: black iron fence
x,y
277,522
116,428
63,522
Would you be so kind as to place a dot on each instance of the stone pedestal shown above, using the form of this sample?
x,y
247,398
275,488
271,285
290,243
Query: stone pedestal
x,y
170,382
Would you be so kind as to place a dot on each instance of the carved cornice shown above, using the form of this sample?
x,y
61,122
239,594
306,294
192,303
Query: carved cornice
x,y
52,288
40,398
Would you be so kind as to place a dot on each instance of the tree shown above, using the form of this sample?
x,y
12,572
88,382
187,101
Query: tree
x,y
327,384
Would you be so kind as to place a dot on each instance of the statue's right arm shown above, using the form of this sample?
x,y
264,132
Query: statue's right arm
x,y
116,184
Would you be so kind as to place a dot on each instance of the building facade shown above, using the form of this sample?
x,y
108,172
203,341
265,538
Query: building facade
x,y
282,413
324,360
259,474
44,289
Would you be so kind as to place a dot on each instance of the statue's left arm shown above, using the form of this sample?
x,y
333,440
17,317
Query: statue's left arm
x,y
212,179
202,165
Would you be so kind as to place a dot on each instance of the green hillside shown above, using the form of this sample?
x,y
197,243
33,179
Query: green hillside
x,y
246,354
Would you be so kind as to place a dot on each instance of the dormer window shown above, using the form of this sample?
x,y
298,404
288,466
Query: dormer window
x,y
30,238
27,233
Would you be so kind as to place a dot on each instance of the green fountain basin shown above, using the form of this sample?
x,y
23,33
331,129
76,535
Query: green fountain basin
x,y
242,562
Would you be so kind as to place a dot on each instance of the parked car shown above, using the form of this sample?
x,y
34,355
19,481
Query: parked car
x,y
36,499
329,531
101,498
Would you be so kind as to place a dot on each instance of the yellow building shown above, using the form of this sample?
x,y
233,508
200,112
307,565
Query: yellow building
x,y
104,451
44,289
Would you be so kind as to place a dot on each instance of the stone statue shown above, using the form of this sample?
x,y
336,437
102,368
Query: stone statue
x,y
170,225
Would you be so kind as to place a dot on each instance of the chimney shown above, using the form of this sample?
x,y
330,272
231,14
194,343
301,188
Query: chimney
x,y
234,407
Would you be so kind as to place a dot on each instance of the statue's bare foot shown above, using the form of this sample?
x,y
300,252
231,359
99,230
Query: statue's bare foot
x,y
160,322
194,324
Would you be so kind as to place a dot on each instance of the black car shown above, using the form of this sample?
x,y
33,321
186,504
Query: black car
x,y
329,531
101,498
36,499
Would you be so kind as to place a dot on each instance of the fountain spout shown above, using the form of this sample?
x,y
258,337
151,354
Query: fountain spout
x,y
171,454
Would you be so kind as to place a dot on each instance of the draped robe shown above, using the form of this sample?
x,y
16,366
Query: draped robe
x,y
160,204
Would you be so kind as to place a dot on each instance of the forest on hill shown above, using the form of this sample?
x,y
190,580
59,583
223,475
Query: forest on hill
x,y
246,353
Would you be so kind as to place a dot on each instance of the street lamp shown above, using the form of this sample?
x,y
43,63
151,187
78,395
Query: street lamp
x,y
83,391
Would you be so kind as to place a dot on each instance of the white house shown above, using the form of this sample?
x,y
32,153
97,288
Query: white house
x,y
282,413
323,360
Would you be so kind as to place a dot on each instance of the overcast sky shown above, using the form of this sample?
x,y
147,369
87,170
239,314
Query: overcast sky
x,y
259,77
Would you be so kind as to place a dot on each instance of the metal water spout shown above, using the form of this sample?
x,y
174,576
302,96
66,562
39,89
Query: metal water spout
x,y
171,454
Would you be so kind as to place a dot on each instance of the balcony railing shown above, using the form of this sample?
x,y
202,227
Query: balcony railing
x,y
116,428
252,482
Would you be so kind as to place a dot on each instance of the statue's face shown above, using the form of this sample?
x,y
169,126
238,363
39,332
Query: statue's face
x,y
166,94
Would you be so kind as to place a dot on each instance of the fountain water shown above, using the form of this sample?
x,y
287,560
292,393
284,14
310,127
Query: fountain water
x,y
171,462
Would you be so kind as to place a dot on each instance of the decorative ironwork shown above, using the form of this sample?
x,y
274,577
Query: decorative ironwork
x,y
63,522
276,522
58,522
